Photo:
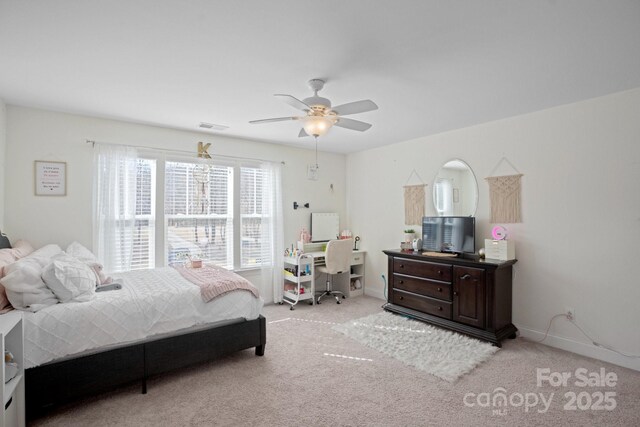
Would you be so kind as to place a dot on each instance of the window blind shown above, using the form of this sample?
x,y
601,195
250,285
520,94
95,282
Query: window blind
x,y
252,183
143,252
198,212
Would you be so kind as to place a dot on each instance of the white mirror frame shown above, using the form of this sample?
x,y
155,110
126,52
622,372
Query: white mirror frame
x,y
324,226
448,196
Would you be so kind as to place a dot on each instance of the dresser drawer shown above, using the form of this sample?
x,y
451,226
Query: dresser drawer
x,y
423,304
428,270
427,287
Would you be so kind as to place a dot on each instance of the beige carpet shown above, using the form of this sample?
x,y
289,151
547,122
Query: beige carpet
x,y
314,376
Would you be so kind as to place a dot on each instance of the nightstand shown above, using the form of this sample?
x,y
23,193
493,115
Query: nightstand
x,y
11,339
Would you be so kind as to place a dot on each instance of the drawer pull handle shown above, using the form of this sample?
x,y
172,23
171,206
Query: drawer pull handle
x,y
401,282
455,293
401,265
439,289
439,308
401,298
465,277
440,272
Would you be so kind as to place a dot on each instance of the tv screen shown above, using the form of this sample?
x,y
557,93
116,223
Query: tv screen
x,y
449,234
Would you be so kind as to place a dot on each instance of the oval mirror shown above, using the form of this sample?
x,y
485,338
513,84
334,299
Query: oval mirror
x,y
455,190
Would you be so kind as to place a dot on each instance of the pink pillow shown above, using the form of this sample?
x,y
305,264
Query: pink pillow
x,y
21,248
6,258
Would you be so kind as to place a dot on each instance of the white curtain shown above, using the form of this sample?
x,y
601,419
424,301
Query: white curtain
x,y
272,236
114,205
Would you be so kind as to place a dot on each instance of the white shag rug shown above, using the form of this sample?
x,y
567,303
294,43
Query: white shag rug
x,y
442,353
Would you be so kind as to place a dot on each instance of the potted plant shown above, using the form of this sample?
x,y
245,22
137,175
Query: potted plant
x,y
409,235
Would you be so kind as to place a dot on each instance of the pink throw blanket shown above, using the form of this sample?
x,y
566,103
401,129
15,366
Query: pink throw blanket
x,y
215,281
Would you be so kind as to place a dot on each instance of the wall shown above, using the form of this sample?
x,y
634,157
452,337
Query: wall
x,y
580,233
3,149
44,135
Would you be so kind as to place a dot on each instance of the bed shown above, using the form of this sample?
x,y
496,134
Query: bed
x,y
157,322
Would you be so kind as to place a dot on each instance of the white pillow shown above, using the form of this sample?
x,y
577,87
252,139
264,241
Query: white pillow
x,y
44,254
70,279
80,252
83,254
24,285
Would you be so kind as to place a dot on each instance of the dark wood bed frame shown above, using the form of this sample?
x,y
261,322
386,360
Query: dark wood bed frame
x,y
55,383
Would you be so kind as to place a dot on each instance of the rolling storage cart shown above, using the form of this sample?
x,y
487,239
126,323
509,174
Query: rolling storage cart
x,y
298,280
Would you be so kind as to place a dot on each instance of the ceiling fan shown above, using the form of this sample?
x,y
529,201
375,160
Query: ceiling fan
x,y
320,116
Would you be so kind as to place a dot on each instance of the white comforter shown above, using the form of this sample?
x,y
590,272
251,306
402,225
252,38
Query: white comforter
x,y
151,302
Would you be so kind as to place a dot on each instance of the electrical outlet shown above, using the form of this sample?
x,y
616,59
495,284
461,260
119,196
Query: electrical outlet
x,y
570,313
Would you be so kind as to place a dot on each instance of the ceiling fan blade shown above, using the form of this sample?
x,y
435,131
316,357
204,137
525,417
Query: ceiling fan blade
x,y
302,133
277,119
352,124
355,107
294,102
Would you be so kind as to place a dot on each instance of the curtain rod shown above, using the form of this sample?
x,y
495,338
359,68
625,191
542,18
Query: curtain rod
x,y
169,150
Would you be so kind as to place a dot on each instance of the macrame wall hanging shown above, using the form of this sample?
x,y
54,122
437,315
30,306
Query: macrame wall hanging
x,y
414,201
504,195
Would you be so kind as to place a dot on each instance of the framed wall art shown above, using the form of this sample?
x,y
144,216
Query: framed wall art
x,y
50,178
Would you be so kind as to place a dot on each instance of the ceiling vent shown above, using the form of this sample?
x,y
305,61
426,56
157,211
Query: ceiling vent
x,y
211,126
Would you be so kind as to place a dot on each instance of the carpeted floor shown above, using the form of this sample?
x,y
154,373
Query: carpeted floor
x,y
312,375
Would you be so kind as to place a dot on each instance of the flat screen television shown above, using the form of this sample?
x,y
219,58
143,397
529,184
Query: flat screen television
x,y
449,234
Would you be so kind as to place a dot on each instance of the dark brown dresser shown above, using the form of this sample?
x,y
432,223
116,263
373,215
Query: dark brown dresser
x,y
464,294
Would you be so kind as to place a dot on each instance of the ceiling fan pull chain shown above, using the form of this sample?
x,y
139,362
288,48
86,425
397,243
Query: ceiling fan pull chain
x,y
316,138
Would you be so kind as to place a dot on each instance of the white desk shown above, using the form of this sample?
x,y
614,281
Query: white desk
x,y
341,282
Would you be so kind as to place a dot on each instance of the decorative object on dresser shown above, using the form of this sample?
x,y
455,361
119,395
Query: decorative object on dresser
x,y
442,353
409,235
462,294
499,248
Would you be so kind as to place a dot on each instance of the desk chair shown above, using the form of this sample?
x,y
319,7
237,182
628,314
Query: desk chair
x,y
337,260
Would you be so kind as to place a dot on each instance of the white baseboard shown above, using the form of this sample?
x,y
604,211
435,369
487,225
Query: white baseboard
x,y
375,293
577,347
581,348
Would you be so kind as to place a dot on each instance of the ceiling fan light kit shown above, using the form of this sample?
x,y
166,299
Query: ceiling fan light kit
x,y
317,125
320,117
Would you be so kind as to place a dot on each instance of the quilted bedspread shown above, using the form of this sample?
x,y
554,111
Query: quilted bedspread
x,y
151,302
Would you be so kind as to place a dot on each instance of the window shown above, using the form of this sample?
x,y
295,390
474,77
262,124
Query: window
x,y
251,190
213,212
198,212
143,253
444,199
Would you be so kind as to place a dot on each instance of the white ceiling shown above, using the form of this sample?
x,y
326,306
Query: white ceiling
x,y
431,66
